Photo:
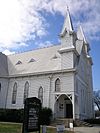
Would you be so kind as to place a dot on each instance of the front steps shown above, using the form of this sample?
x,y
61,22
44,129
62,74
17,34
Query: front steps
x,y
61,121
65,121
80,123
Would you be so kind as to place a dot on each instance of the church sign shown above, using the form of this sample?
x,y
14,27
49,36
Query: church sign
x,y
31,115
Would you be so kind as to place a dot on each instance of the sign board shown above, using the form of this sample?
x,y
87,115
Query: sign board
x,y
31,115
60,128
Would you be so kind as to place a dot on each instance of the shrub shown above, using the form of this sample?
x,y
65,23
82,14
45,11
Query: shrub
x,y
93,121
45,116
11,115
16,115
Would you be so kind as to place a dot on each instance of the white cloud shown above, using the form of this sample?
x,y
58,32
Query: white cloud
x,y
7,52
41,33
23,44
18,19
21,20
44,44
90,9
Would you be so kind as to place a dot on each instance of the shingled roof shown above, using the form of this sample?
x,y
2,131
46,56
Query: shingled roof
x,y
43,61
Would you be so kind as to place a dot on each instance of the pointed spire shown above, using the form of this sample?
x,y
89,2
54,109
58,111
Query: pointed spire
x,y
80,34
67,26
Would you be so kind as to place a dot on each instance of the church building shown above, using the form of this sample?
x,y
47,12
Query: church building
x,y
60,76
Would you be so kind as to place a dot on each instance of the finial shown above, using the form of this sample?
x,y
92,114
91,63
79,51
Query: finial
x,y
67,8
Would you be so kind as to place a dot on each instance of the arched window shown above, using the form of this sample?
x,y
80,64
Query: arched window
x,y
0,86
57,85
14,93
26,91
40,94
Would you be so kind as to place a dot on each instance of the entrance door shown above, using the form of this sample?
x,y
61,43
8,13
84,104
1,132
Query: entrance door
x,y
69,111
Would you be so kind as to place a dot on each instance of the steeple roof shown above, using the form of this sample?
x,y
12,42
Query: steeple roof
x,y
80,34
67,26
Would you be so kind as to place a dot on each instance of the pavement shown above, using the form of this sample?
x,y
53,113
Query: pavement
x,y
94,129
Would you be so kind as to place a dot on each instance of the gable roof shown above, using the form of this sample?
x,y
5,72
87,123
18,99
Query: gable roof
x,y
44,61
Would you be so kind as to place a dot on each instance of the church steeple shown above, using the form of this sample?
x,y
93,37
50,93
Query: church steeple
x,y
67,35
67,26
80,35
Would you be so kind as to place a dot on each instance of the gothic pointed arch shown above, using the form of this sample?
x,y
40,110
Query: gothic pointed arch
x,y
14,93
40,94
57,85
63,107
26,90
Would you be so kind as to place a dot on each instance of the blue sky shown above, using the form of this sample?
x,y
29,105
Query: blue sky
x,y
30,24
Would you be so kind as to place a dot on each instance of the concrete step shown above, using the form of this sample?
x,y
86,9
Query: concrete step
x,y
66,122
80,123
60,121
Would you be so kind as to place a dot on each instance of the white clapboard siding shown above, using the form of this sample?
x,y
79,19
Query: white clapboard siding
x,y
3,92
67,60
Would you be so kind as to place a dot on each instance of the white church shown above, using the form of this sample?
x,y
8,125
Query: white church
x,y
60,76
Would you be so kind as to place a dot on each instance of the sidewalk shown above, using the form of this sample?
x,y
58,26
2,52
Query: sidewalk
x,y
95,129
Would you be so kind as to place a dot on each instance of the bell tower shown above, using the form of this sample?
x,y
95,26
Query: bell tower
x,y
67,33
68,39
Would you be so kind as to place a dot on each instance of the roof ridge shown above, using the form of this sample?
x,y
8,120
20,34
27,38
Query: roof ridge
x,y
39,48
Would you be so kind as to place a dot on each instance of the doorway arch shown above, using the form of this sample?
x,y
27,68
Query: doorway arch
x,y
63,107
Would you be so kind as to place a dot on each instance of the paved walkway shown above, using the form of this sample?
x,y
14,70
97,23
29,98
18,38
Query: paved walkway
x,y
95,129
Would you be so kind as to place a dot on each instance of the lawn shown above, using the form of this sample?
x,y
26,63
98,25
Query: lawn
x,y
10,128
17,128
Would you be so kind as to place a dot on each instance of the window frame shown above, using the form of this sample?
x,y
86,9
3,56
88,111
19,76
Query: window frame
x,y
0,87
26,91
57,85
14,93
40,94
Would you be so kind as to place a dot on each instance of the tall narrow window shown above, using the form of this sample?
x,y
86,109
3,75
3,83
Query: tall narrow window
x,y
14,93
26,91
57,85
0,86
40,94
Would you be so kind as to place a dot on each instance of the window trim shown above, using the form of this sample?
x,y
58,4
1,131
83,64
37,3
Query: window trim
x,y
14,93
0,87
40,94
57,85
18,62
26,91
32,60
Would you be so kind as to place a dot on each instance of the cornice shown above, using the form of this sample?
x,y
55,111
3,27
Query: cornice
x,y
40,73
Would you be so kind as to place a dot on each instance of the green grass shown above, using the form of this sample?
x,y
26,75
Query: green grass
x,y
17,128
10,128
